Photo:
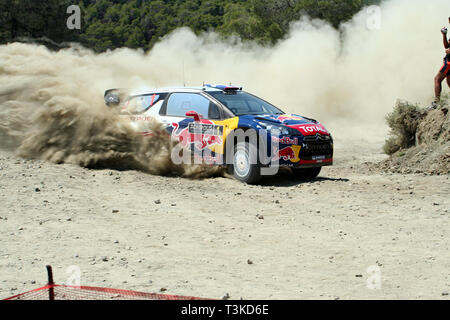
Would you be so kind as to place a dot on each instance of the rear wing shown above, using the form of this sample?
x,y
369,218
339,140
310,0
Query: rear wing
x,y
113,97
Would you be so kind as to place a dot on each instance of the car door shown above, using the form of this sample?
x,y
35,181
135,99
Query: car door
x,y
195,135
141,110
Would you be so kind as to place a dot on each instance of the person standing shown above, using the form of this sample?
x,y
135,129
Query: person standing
x,y
444,71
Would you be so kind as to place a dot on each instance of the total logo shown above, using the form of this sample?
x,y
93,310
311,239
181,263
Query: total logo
x,y
309,130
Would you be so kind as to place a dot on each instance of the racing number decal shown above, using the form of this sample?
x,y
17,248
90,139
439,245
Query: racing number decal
x,y
205,129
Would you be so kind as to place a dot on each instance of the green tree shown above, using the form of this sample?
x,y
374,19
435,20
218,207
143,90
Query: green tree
x,y
35,19
333,11
109,24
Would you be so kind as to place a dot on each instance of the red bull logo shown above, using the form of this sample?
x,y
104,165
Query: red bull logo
x,y
202,134
288,153
288,118
284,140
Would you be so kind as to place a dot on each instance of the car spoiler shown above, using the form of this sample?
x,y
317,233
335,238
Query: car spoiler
x,y
113,97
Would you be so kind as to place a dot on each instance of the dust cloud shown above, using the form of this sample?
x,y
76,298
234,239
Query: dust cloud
x,y
51,103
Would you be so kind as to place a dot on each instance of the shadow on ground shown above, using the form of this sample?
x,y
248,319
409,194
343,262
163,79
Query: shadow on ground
x,y
285,178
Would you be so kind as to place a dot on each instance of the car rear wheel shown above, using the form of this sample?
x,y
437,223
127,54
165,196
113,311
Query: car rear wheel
x,y
245,165
306,173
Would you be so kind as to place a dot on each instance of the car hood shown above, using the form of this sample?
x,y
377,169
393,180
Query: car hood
x,y
305,126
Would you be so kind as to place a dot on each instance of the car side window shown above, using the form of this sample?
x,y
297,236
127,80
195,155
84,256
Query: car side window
x,y
140,104
180,103
214,111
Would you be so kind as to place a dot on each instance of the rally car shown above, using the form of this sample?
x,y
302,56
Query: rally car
x,y
210,120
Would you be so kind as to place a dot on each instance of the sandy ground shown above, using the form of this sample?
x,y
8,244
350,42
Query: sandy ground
x,y
283,239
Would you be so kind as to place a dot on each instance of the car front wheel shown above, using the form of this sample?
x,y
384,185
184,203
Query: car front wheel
x,y
245,165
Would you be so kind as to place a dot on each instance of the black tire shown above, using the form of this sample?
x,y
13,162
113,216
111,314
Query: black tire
x,y
306,173
245,166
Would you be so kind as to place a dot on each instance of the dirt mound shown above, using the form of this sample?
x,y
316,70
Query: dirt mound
x,y
419,141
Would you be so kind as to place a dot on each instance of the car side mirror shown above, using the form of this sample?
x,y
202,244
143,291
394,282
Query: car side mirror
x,y
193,114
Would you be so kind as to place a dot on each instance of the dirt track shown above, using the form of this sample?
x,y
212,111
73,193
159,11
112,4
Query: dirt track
x,y
281,240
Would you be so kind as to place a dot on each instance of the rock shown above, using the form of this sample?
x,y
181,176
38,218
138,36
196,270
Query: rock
x,y
249,261
358,275
158,201
115,211
445,293
226,296
163,289
37,190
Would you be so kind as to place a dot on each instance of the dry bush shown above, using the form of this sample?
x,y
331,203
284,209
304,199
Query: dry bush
x,y
403,122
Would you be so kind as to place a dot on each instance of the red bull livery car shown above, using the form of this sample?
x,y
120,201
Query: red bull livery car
x,y
224,125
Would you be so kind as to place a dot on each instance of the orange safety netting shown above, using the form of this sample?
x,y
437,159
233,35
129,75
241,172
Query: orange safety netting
x,y
62,292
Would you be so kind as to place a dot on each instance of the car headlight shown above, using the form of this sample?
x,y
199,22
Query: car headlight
x,y
279,130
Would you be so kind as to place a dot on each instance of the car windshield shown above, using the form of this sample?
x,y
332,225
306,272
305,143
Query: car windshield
x,y
242,103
